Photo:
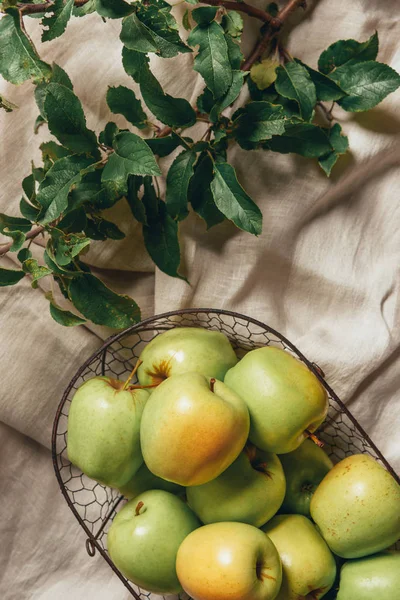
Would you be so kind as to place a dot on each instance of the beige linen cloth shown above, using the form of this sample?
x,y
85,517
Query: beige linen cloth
x,y
325,273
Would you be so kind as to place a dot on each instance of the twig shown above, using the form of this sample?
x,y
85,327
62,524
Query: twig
x,y
326,112
31,9
252,11
269,35
30,235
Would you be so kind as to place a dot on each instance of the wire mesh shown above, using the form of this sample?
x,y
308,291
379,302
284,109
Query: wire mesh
x,y
94,505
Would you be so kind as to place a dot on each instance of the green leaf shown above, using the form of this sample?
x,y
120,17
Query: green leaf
x,y
31,266
28,211
343,51
366,83
113,9
61,316
200,194
50,260
101,305
18,239
178,179
230,96
273,9
175,112
269,94
161,241
136,36
232,200
18,58
51,152
135,204
60,76
67,121
58,21
156,15
122,101
106,137
340,145
212,60
150,200
131,156
74,221
205,101
38,123
257,122
205,14
6,104
153,29
235,54
67,247
14,223
163,146
232,23
24,254
327,90
305,139
10,276
28,185
91,190
264,73
54,190
294,82
85,9
110,230
186,20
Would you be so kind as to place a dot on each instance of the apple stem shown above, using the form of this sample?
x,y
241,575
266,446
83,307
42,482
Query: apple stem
x,y
143,387
212,383
314,438
135,368
138,508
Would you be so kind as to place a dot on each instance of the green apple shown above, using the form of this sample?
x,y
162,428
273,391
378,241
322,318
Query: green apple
x,y
192,429
375,577
304,469
357,507
144,480
251,490
285,400
104,430
229,561
144,538
184,349
309,568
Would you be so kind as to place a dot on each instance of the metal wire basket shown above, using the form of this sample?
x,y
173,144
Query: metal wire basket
x,y
95,505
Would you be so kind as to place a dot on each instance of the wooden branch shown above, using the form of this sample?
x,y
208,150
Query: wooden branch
x,y
31,9
252,11
269,35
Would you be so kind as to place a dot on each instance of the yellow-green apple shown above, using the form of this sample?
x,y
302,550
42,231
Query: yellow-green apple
x,y
229,561
104,430
285,399
375,577
357,507
304,470
308,566
144,538
251,490
144,480
184,349
192,429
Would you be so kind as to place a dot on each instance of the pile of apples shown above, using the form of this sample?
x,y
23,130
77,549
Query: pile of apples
x,y
232,497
